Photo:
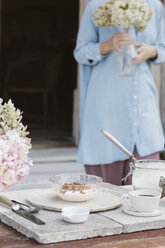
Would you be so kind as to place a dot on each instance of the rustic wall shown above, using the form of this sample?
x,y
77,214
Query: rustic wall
x,y
162,95
162,91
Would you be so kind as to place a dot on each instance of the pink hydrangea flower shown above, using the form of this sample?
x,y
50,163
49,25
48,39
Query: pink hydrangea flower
x,y
14,160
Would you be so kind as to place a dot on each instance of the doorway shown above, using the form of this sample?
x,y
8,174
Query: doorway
x,y
38,71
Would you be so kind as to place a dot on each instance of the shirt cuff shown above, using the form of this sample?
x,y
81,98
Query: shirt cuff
x,y
93,53
158,59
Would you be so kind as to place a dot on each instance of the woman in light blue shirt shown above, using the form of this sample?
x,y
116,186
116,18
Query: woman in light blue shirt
x,y
127,107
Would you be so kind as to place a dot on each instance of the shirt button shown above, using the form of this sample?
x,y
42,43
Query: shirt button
x,y
134,97
97,57
135,110
135,124
135,82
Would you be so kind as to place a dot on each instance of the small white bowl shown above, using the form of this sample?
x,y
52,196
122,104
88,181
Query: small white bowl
x,y
75,214
76,187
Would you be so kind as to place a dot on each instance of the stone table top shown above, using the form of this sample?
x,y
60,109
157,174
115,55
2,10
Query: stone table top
x,y
113,222
10,238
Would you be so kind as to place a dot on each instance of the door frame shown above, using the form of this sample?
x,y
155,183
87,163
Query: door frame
x,y
76,121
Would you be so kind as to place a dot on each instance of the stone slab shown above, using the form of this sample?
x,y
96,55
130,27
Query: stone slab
x,y
99,224
56,230
133,223
54,155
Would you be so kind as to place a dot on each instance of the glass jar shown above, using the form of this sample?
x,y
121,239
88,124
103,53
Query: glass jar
x,y
147,174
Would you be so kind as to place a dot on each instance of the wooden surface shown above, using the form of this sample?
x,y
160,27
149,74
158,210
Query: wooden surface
x,y
9,238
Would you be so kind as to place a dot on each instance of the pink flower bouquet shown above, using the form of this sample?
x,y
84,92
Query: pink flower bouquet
x,y
14,148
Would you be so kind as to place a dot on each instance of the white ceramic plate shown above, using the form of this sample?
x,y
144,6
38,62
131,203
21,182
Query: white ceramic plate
x,y
47,198
157,212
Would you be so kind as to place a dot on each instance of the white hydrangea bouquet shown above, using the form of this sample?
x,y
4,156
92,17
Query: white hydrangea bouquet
x,y
14,146
125,14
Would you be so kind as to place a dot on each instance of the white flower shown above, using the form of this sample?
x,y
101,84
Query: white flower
x,y
123,13
10,118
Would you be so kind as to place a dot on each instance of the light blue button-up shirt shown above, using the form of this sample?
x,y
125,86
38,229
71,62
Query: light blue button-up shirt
x,y
127,107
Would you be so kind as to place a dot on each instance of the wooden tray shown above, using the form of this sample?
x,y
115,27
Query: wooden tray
x,y
47,198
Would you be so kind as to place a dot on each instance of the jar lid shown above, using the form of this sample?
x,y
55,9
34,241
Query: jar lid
x,y
151,164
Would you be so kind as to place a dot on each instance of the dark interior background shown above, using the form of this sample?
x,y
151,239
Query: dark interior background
x,y
37,42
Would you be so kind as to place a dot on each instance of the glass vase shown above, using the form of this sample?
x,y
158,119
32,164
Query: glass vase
x,y
126,58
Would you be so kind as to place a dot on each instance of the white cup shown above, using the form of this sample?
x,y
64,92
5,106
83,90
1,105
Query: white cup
x,y
75,214
142,200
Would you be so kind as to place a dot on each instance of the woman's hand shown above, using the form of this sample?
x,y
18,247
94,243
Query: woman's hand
x,y
115,43
145,52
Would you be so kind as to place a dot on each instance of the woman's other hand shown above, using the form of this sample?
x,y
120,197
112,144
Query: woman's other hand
x,y
145,52
115,43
